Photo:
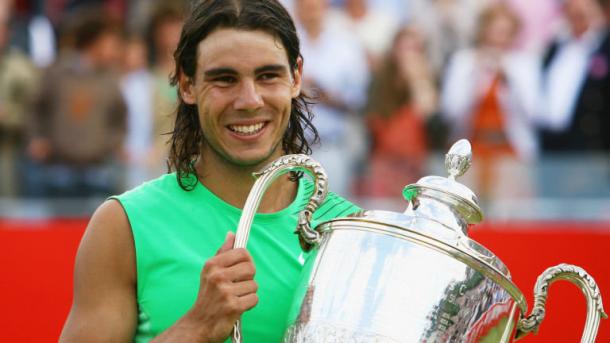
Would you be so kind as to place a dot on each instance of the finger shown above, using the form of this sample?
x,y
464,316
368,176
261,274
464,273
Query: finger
x,y
244,288
248,301
221,265
242,271
228,244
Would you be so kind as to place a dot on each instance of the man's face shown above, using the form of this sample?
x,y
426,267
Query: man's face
x,y
107,50
581,14
243,89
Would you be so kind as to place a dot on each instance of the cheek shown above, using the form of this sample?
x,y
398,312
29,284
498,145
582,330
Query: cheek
x,y
211,104
280,96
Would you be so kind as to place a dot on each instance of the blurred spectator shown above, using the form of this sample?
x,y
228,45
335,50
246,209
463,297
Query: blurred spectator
x,y
489,94
539,21
18,80
374,28
150,98
576,97
138,13
448,24
137,88
398,9
79,121
33,32
402,97
163,36
335,68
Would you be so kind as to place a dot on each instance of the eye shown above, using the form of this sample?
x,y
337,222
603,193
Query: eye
x,y
225,80
268,76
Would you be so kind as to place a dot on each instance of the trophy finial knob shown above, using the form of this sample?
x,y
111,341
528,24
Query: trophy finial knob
x,y
458,159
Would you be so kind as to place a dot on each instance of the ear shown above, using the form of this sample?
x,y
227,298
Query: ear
x,y
187,89
297,78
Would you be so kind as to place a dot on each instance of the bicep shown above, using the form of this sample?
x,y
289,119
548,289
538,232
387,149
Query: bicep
x,y
104,307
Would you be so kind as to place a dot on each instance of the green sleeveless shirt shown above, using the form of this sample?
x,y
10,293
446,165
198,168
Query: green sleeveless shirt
x,y
176,231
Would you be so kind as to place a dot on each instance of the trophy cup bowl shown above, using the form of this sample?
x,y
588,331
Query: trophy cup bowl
x,y
416,276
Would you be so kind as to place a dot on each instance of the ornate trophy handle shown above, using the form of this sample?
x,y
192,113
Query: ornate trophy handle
x,y
579,277
307,236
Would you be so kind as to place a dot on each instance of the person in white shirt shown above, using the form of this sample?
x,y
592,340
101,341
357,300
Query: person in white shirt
x,y
374,28
489,95
337,74
493,63
449,26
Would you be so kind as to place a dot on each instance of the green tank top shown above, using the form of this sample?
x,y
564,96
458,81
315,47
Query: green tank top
x,y
176,231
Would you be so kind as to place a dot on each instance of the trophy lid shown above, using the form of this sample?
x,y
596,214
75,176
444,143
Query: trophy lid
x,y
440,211
447,189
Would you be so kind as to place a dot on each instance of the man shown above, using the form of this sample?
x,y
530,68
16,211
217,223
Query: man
x,y
574,117
138,272
79,120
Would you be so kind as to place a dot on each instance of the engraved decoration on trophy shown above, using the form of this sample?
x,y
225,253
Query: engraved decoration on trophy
x,y
416,276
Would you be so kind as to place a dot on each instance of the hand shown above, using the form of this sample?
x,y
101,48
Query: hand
x,y
227,290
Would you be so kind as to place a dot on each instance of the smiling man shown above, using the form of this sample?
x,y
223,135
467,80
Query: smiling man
x,y
156,262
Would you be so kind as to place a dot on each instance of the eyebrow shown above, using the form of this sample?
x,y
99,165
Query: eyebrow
x,y
214,72
211,73
278,68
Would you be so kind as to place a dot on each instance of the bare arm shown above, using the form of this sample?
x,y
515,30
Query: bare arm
x,y
104,306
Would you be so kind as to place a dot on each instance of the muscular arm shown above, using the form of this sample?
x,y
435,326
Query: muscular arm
x,y
104,306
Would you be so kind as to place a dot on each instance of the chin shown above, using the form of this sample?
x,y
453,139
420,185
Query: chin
x,y
254,159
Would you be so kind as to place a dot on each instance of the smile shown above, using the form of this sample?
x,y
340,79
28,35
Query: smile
x,y
247,130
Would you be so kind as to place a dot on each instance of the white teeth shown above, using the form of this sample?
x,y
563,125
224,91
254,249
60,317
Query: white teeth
x,y
247,129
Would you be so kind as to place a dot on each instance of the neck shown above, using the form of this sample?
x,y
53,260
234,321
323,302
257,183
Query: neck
x,y
232,183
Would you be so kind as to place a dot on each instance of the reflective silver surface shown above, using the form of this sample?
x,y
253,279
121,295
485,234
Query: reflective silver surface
x,y
399,287
380,276
584,281
264,178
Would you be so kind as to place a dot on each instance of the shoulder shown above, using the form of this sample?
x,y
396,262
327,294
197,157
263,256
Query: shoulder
x,y
108,244
333,205
104,303
109,220
19,64
150,190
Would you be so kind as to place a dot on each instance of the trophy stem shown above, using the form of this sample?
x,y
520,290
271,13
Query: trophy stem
x,y
584,281
264,179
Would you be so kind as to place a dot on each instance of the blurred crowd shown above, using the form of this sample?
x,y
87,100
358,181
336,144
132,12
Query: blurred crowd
x,y
86,108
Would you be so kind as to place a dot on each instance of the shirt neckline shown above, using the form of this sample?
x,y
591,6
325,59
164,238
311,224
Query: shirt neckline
x,y
293,207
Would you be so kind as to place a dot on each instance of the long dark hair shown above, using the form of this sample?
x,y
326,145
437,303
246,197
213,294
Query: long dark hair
x,y
266,15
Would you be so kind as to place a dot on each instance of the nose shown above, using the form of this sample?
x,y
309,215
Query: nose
x,y
248,97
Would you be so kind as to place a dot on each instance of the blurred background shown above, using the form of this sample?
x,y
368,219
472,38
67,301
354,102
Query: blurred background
x,y
86,110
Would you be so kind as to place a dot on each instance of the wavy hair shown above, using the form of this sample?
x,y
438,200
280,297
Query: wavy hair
x,y
206,16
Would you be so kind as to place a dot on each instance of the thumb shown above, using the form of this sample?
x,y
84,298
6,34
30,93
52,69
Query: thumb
x,y
228,244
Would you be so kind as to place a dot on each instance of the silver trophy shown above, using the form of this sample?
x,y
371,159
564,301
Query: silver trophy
x,y
380,276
